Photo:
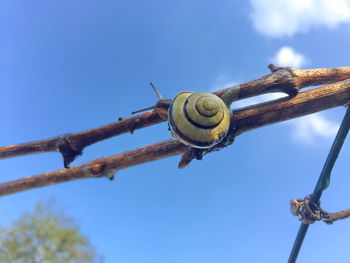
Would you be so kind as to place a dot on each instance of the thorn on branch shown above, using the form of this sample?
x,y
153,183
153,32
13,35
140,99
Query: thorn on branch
x,y
189,155
65,148
273,68
133,125
194,153
186,158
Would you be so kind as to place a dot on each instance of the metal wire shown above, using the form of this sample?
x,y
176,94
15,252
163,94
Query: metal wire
x,y
323,181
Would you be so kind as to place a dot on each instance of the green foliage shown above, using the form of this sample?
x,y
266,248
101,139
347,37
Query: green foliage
x,y
44,236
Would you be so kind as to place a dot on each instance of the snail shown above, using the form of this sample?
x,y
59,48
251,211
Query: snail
x,y
197,119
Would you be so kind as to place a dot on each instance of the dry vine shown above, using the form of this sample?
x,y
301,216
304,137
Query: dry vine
x,y
285,80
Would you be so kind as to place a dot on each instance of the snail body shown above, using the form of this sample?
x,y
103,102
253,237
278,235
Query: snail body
x,y
199,120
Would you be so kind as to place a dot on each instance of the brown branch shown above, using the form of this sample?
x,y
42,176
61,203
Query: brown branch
x,y
283,79
304,103
106,166
71,145
332,217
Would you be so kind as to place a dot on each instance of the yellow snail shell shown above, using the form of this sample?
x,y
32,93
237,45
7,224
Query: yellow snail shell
x,y
199,119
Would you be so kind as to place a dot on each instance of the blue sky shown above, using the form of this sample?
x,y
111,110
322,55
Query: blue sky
x,y
69,66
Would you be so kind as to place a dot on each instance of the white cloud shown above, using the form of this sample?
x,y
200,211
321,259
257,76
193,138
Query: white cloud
x,y
279,18
312,128
287,56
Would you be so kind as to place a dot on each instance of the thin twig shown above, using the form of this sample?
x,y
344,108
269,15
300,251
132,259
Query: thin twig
x,y
337,216
106,166
72,144
304,103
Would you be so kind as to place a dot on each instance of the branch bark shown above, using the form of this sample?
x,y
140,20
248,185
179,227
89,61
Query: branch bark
x,y
332,217
336,94
71,145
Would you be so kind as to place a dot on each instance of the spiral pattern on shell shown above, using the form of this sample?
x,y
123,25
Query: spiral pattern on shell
x,y
200,119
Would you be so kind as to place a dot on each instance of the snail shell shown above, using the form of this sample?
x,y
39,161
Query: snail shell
x,y
200,119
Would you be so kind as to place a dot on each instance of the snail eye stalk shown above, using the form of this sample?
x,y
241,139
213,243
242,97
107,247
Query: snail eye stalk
x,y
160,99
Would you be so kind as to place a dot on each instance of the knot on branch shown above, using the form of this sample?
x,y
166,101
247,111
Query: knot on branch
x,y
307,211
291,86
65,147
274,68
99,169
